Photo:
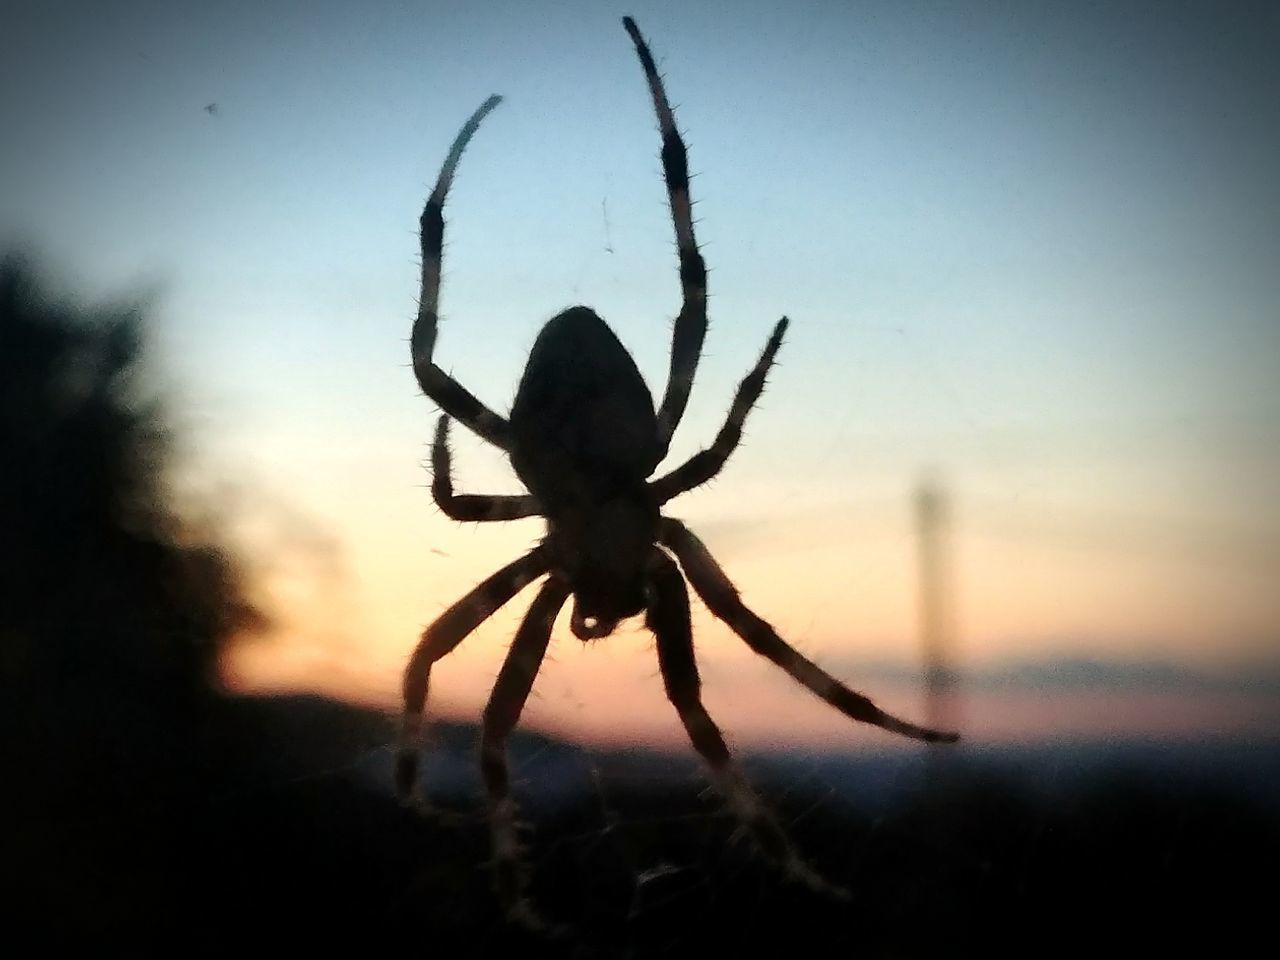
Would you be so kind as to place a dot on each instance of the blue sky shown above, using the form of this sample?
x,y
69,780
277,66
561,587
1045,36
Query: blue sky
x,y
1029,247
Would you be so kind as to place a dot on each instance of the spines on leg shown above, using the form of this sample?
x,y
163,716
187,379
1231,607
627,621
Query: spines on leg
x,y
668,618
691,324
501,714
476,508
721,598
705,464
432,236
439,639
453,398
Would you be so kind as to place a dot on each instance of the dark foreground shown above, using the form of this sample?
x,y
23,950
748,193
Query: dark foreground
x,y
273,828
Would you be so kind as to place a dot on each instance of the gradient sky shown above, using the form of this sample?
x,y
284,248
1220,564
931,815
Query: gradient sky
x,y
1030,250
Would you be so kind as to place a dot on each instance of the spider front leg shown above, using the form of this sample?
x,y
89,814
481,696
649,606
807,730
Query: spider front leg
x,y
470,507
705,464
721,598
452,397
691,324
668,617
439,640
515,680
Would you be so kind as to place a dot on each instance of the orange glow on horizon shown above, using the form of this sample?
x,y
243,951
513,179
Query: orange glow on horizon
x,y
841,585
609,693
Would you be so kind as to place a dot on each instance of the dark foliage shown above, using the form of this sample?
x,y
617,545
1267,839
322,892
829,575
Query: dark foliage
x,y
112,613
98,578
299,843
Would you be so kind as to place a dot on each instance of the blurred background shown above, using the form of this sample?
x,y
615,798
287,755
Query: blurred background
x,y
1015,470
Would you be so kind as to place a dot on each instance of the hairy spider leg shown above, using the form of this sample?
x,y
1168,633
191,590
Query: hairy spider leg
x,y
721,598
506,702
705,464
452,397
691,324
668,617
439,639
471,507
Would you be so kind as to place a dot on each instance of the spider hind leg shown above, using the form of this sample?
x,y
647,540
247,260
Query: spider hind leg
x,y
510,692
668,618
438,640
721,598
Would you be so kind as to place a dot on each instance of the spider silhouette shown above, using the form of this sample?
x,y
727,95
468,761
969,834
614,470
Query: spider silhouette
x,y
584,438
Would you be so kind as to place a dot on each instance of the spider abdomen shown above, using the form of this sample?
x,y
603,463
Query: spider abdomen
x,y
583,425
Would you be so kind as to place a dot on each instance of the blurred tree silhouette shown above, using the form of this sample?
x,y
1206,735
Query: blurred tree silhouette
x,y
112,614
97,573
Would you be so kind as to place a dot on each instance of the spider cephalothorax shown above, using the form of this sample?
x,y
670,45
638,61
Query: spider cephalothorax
x,y
584,438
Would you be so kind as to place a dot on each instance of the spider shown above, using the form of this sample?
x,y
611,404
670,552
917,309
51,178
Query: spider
x,y
584,438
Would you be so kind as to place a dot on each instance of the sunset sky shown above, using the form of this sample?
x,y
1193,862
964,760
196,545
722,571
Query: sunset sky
x,y
1029,251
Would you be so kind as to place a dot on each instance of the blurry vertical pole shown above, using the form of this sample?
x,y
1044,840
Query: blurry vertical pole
x,y
937,625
